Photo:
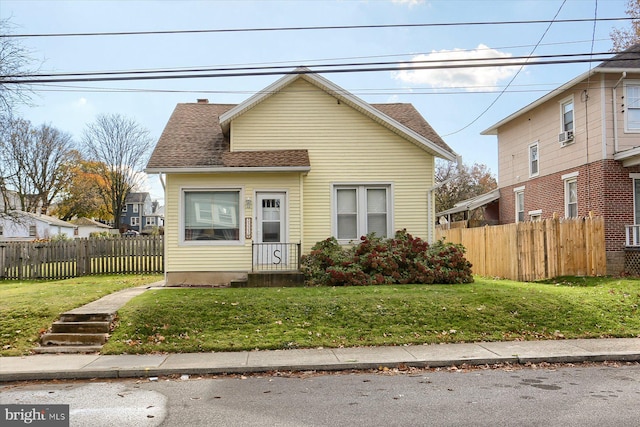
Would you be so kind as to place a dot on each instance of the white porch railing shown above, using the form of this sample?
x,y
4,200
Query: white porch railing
x,y
633,235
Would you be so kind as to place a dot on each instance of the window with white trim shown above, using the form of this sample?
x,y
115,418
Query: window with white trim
x,y
566,112
361,210
135,208
211,215
32,231
533,159
1,230
519,195
135,220
150,220
571,197
632,106
535,215
124,208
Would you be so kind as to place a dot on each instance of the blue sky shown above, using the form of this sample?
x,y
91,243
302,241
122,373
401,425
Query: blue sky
x,y
449,99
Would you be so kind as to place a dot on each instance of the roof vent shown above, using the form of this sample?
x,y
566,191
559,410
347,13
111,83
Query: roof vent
x,y
203,101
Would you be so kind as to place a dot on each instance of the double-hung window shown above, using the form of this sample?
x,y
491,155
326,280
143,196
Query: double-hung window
x,y
135,221
566,111
150,220
135,208
533,159
361,210
632,106
519,196
211,215
571,197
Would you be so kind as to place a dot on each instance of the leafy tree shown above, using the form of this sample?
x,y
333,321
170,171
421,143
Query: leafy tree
x,y
464,183
31,163
626,37
120,147
14,62
82,195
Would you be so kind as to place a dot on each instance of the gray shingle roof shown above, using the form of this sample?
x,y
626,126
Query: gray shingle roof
x,y
193,138
630,58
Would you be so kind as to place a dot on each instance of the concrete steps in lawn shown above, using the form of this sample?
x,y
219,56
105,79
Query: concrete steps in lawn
x,y
77,333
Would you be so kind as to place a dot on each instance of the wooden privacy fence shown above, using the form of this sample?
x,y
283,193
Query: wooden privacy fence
x,y
81,257
536,250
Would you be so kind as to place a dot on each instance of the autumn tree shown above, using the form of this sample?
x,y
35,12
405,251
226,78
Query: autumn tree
x,y
120,147
624,38
31,163
81,197
461,183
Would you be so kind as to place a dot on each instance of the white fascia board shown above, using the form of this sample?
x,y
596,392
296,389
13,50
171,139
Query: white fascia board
x,y
629,157
493,130
228,169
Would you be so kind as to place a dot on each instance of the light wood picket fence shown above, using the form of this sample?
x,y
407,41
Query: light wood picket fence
x,y
536,250
81,257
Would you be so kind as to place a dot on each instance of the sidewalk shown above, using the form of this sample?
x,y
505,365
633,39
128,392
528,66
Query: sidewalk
x,y
44,367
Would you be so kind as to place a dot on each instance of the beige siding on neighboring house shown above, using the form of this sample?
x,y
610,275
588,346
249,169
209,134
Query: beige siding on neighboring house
x,y
187,256
344,147
542,125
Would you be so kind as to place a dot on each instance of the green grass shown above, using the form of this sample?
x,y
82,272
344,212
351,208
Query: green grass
x,y
27,308
193,320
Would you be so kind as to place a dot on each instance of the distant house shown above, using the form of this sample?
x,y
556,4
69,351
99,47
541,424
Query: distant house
x,y
26,226
576,151
87,226
141,214
300,161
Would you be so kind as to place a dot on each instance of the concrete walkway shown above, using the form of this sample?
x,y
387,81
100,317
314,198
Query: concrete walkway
x,y
434,355
70,366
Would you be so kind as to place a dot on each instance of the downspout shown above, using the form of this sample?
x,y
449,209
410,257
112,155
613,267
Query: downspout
x,y
615,114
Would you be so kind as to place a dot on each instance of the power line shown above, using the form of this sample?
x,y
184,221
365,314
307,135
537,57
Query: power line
x,y
267,71
311,28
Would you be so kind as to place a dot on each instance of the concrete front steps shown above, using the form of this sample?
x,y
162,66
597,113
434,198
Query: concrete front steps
x,y
77,333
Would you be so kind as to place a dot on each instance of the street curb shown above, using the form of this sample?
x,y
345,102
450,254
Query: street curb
x,y
357,366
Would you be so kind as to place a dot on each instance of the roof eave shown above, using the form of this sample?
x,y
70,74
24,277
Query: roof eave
x,y
222,169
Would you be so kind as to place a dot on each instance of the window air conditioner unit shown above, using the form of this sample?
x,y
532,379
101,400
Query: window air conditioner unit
x,y
565,137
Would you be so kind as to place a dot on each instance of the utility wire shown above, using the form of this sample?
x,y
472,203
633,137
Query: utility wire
x,y
314,28
514,76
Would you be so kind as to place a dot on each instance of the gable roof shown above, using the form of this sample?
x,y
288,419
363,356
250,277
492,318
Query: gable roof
x,y
628,60
87,222
136,197
473,203
421,134
43,218
195,139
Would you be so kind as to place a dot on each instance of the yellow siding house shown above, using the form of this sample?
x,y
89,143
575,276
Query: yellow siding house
x,y
251,186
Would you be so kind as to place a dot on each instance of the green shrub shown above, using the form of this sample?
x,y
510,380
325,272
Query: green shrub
x,y
402,259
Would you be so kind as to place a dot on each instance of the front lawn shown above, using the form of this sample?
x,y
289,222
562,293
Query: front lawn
x,y
194,320
28,308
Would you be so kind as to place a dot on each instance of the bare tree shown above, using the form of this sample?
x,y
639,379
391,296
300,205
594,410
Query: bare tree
x,y
121,147
15,61
465,182
31,164
626,37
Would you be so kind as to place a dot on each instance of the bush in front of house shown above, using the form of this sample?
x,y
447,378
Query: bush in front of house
x,y
402,259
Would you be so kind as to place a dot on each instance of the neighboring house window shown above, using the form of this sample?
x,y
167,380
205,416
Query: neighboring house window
x,y
1,230
135,208
212,215
150,220
567,115
32,231
632,104
361,210
519,196
535,215
135,220
571,197
533,159
124,208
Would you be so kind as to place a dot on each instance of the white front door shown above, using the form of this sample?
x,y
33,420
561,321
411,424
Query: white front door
x,y
271,223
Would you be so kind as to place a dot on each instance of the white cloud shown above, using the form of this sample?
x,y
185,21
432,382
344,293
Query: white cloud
x,y
80,102
472,79
410,3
